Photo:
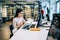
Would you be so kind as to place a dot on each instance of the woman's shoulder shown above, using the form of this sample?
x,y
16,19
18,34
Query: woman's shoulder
x,y
14,18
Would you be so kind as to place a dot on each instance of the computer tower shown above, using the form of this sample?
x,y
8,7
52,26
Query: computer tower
x,y
56,17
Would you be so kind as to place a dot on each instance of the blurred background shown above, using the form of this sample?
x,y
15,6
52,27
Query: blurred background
x,y
31,9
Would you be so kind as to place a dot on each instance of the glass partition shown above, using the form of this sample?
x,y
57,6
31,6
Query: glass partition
x,y
58,7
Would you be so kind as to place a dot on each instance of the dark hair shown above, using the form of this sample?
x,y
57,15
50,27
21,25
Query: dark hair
x,y
17,11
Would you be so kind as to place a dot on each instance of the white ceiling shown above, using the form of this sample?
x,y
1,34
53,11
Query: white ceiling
x,y
28,1
25,0
31,0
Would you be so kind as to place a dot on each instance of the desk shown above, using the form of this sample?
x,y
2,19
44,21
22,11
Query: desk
x,y
22,34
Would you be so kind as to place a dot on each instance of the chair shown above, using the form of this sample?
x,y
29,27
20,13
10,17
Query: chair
x,y
11,28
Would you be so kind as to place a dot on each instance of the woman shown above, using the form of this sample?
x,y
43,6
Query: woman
x,y
18,21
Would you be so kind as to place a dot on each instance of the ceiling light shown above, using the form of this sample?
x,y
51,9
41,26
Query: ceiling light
x,y
6,6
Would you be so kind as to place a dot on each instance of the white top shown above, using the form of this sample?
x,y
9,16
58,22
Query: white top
x,y
17,21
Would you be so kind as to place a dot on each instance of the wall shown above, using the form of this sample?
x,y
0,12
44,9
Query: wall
x,y
52,6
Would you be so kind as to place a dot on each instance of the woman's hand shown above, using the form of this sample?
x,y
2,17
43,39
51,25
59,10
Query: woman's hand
x,y
20,24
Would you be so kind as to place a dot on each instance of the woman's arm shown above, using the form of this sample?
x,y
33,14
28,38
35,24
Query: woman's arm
x,y
24,21
14,24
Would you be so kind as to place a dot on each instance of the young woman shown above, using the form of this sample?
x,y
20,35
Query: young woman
x,y
18,21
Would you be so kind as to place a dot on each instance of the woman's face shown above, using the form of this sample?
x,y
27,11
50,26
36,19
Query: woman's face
x,y
20,14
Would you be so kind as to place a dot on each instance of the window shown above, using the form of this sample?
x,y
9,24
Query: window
x,y
58,7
